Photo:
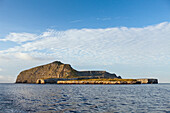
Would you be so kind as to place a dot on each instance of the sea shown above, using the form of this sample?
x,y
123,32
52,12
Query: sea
x,y
54,98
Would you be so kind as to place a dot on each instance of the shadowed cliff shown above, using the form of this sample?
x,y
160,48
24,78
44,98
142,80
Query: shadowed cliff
x,y
59,70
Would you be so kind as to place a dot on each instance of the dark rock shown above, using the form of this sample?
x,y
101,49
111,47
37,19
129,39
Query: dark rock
x,y
58,70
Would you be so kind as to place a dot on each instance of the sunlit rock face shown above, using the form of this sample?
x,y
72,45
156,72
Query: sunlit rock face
x,y
53,70
58,70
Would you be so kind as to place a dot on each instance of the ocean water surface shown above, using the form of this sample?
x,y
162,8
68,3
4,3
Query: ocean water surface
x,y
28,98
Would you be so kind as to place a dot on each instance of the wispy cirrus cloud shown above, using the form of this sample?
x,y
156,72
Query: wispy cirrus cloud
x,y
117,47
147,45
20,37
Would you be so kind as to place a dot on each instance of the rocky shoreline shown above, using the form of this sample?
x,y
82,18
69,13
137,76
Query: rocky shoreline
x,y
97,81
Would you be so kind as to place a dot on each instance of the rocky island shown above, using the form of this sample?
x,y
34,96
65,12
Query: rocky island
x,y
59,73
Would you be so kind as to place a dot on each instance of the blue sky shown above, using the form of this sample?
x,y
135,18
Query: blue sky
x,y
38,15
128,37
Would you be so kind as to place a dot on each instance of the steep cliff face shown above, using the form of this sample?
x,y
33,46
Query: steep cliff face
x,y
98,74
52,70
58,70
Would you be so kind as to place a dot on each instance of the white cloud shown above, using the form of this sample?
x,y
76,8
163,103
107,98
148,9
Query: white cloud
x,y
23,56
118,46
0,69
20,37
6,79
1,77
148,45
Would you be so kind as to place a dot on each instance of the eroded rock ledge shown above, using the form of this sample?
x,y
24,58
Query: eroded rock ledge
x,y
59,73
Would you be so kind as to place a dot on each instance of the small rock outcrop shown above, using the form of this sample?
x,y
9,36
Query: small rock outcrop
x,y
148,81
58,70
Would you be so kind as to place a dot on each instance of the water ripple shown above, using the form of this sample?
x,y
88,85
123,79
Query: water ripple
x,y
28,98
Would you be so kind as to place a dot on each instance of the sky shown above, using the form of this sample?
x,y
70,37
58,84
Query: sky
x,y
128,37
